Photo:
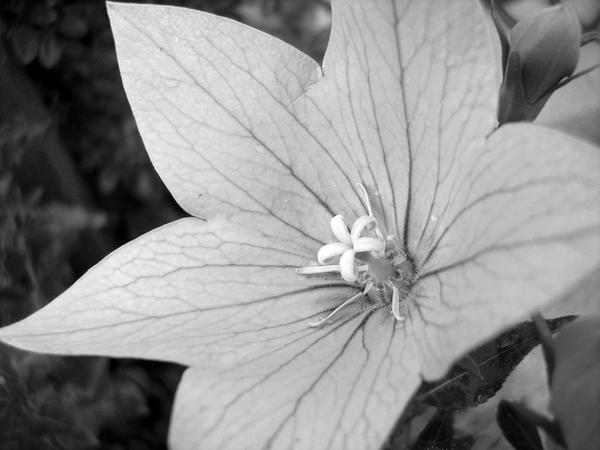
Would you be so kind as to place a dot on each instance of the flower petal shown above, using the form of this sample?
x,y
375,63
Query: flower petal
x,y
347,380
423,112
189,292
210,97
329,252
228,301
523,228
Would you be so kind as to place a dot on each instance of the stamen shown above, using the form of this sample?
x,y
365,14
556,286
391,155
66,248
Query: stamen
x,y
328,317
312,270
351,300
396,304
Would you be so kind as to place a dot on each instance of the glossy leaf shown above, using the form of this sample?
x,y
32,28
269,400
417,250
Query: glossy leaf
x,y
254,137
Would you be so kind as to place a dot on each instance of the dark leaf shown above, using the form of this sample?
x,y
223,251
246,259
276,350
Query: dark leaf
x,y
50,51
25,43
517,428
545,336
439,432
478,376
42,15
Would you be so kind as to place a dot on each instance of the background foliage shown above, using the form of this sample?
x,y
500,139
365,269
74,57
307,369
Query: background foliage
x,y
75,183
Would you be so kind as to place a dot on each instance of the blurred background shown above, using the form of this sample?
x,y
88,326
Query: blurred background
x,y
75,183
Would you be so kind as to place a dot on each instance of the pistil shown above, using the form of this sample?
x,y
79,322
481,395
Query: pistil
x,y
365,259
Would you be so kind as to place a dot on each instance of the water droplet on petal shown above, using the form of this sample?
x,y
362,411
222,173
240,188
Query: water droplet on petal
x,y
261,150
171,83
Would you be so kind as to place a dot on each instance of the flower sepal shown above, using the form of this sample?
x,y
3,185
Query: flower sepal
x,y
539,55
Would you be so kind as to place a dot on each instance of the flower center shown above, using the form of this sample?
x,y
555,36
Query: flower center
x,y
366,259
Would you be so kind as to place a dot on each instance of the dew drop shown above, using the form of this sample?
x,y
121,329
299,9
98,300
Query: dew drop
x,y
261,150
171,83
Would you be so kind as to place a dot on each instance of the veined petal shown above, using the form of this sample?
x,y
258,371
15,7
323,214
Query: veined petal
x,y
512,243
369,244
228,302
329,252
340,230
423,113
210,97
242,134
278,402
196,293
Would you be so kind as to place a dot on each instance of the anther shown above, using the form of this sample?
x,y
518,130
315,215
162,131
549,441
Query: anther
x,y
315,270
396,304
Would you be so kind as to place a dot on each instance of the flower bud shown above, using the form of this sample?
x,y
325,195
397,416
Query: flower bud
x,y
541,51
548,46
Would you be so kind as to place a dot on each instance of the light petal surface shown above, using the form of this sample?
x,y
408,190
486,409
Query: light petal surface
x,y
344,399
210,97
522,227
196,293
228,302
408,96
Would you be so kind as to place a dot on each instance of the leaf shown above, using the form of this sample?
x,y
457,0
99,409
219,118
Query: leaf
x,y
254,137
477,376
517,428
23,424
438,432
526,385
575,387
546,341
